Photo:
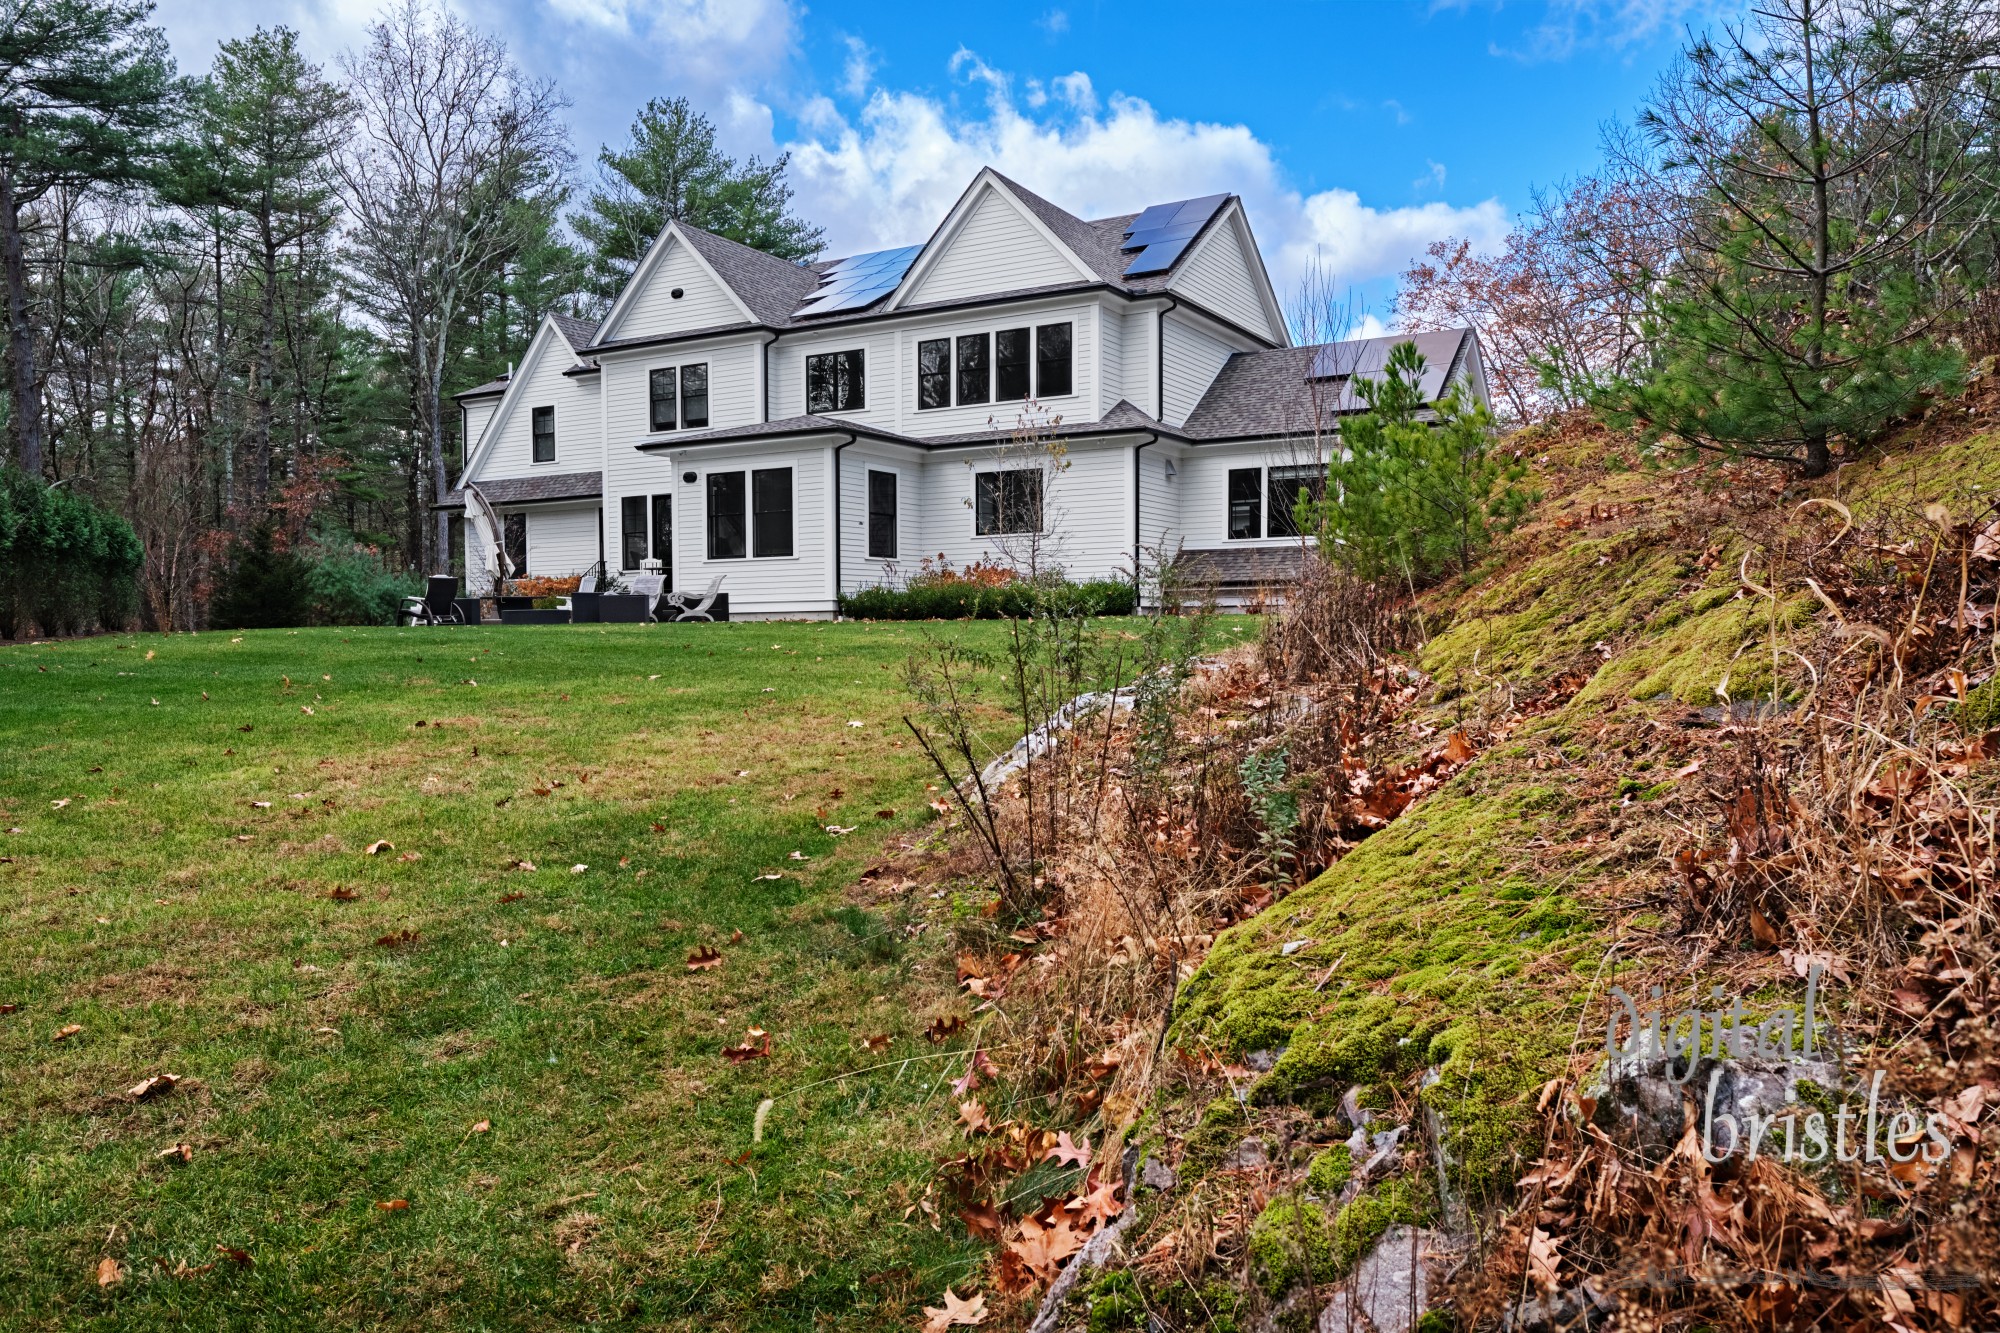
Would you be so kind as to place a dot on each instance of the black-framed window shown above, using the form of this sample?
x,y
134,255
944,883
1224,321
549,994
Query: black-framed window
x,y
543,420
1053,376
1284,486
933,373
728,525
771,511
663,390
1007,502
836,381
694,396
975,351
1011,365
881,515
663,536
1246,503
514,536
631,531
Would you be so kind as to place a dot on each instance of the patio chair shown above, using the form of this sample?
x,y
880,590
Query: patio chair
x,y
438,605
687,606
648,586
587,584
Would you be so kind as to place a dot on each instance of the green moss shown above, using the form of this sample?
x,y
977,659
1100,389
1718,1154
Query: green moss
x,y
1330,1171
1221,1127
1725,645
1360,1224
1114,1303
1442,954
1289,1243
1981,710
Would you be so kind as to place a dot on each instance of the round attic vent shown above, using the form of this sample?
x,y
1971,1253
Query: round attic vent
x,y
675,293
688,478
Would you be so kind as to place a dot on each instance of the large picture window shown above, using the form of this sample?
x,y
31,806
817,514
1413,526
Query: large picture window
x,y
728,526
1052,361
975,350
543,421
835,382
663,388
933,373
1285,486
631,531
1246,503
1006,502
771,503
694,396
1010,366
881,515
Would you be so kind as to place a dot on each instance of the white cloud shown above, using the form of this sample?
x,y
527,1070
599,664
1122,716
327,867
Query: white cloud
x,y
1572,25
1368,326
859,71
890,174
1055,23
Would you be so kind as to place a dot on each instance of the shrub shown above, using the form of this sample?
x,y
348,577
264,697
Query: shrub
x,y
964,600
265,585
66,565
350,585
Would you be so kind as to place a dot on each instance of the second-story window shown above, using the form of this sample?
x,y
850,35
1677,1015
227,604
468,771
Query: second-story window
x,y
1010,366
835,382
933,373
694,396
663,387
974,352
543,421
1052,361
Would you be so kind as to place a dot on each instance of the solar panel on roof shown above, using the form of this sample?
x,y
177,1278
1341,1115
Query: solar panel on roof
x,y
860,280
1163,231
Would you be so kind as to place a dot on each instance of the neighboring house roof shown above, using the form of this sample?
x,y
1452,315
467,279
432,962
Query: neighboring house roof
x,y
578,333
494,386
1242,566
541,489
1297,390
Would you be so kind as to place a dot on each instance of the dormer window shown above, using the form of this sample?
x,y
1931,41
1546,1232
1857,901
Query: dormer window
x,y
836,382
543,425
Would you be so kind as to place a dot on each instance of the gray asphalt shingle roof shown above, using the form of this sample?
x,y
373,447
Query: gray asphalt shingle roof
x,y
538,489
1241,566
1278,392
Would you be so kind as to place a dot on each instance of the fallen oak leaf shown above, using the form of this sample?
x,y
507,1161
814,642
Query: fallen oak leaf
x,y
756,1045
110,1272
955,1312
65,1033
153,1087
1069,1152
241,1258
704,958
393,1205
975,1117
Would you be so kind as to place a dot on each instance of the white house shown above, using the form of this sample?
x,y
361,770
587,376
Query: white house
x,y
808,430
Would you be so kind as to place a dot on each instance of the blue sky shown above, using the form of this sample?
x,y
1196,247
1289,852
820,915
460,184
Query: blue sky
x,y
1357,133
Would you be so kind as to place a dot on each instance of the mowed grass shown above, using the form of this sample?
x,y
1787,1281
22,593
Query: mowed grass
x,y
184,930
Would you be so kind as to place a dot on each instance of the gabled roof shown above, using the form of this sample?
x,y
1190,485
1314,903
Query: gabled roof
x,y
770,286
1300,390
578,333
542,488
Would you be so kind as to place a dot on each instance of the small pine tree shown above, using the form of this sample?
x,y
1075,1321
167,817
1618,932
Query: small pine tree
x,y
1416,498
265,587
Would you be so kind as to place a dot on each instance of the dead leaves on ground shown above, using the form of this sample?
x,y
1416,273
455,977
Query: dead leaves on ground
x,y
955,1312
704,958
756,1045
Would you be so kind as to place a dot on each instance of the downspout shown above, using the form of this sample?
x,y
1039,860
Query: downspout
x,y
1138,532
837,450
1160,356
764,372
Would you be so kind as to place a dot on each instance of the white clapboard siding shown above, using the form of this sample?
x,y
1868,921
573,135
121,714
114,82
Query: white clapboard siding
x,y
478,415
1193,358
1221,275
1160,501
858,569
1110,361
651,309
795,585
1137,365
562,540
882,374
997,249
1087,507
1204,483
507,446
733,400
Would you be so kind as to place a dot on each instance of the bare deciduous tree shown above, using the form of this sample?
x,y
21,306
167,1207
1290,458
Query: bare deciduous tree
x,y
451,142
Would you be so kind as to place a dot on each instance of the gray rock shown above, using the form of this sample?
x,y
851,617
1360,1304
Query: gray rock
x,y
1261,1062
1641,1106
1157,1175
1351,1107
1390,1289
1250,1155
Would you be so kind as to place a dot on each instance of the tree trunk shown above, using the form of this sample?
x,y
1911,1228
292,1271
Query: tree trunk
x,y
26,423
260,393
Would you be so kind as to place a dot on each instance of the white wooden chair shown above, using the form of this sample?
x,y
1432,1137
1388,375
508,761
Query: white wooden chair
x,y
687,606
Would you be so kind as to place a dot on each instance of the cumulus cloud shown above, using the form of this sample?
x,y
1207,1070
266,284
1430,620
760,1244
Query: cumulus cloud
x,y
887,175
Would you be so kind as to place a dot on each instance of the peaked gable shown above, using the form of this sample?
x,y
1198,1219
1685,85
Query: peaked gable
x,y
648,306
540,381
1224,272
991,242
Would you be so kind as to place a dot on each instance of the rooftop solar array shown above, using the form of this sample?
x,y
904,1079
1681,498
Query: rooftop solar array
x,y
860,280
1161,232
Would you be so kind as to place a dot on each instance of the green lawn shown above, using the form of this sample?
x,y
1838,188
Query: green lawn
x,y
182,929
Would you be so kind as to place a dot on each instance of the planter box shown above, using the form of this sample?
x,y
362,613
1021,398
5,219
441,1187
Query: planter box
x,y
468,609
583,607
515,604
621,608
531,616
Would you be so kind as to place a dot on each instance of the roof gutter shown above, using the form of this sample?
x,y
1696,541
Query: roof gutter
x,y
838,449
1138,494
